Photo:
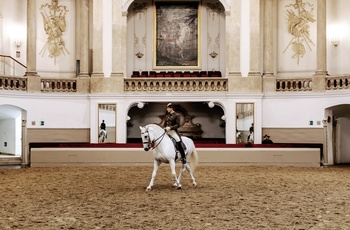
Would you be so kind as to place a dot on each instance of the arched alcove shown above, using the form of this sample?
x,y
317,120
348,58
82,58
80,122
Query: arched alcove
x,y
199,121
12,122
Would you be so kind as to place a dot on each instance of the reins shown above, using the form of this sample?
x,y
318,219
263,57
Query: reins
x,y
161,136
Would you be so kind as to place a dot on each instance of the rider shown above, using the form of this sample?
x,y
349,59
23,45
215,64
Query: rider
x,y
103,125
172,123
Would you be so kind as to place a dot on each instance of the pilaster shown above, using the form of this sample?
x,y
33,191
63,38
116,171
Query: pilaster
x,y
119,22
97,39
318,80
84,38
31,39
255,47
233,37
270,16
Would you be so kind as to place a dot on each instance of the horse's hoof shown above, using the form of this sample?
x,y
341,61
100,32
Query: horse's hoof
x,y
179,187
194,184
148,189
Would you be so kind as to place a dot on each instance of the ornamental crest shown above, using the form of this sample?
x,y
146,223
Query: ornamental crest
x,y
299,17
54,20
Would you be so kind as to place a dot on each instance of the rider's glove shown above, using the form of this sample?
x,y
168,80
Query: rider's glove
x,y
167,128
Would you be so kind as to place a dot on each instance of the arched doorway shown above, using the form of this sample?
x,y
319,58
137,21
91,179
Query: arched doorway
x,y
337,123
12,135
199,121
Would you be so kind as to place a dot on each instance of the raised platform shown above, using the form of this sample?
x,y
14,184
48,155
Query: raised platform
x,y
109,156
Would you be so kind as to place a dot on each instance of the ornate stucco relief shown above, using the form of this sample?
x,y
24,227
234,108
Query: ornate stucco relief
x,y
140,9
54,22
299,17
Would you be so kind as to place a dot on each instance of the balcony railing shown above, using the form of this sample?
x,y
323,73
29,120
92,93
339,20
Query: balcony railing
x,y
58,85
13,83
200,84
175,84
304,84
337,82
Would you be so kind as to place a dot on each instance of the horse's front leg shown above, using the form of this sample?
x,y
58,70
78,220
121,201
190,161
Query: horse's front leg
x,y
154,173
173,172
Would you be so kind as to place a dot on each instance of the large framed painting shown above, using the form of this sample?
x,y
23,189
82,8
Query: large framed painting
x,y
177,40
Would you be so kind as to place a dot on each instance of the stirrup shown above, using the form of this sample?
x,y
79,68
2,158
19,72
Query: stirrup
x,y
183,160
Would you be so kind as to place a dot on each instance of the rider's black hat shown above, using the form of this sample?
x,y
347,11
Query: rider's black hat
x,y
170,105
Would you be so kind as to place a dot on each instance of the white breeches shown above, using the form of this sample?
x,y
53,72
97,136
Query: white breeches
x,y
174,134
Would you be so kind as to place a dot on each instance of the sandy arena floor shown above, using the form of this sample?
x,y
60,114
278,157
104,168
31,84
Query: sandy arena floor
x,y
225,198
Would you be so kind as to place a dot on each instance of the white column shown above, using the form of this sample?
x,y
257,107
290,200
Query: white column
x,y
84,38
233,38
119,22
321,38
255,48
268,43
319,78
97,38
31,38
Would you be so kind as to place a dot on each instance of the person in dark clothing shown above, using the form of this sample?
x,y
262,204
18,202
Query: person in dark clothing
x,y
103,125
172,123
251,129
267,140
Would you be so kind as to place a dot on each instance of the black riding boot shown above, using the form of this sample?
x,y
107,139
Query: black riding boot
x,y
182,152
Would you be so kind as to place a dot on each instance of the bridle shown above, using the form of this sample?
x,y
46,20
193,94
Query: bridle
x,y
151,144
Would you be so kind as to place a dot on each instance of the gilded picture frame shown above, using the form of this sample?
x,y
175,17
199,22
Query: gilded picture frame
x,y
177,35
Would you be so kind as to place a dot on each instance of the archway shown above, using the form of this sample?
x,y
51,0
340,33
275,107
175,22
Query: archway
x,y
337,123
199,121
13,134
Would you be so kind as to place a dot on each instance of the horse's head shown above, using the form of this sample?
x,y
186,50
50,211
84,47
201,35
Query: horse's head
x,y
146,139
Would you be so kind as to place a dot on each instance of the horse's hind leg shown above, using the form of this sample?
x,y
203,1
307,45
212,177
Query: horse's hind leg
x,y
191,174
182,170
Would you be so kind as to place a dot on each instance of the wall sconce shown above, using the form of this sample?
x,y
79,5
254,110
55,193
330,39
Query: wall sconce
x,y
18,43
335,41
140,105
211,104
139,55
213,54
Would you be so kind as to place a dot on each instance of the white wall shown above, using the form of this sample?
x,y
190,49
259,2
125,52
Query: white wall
x,y
7,134
56,111
13,27
338,23
296,110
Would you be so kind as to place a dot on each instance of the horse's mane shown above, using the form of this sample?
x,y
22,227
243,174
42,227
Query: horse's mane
x,y
154,126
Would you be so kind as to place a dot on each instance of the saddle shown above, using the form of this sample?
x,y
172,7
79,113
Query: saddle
x,y
175,146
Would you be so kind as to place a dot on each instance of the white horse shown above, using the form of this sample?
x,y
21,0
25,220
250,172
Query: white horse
x,y
102,135
154,137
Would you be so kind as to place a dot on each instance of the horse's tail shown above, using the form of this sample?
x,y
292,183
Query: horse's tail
x,y
193,160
